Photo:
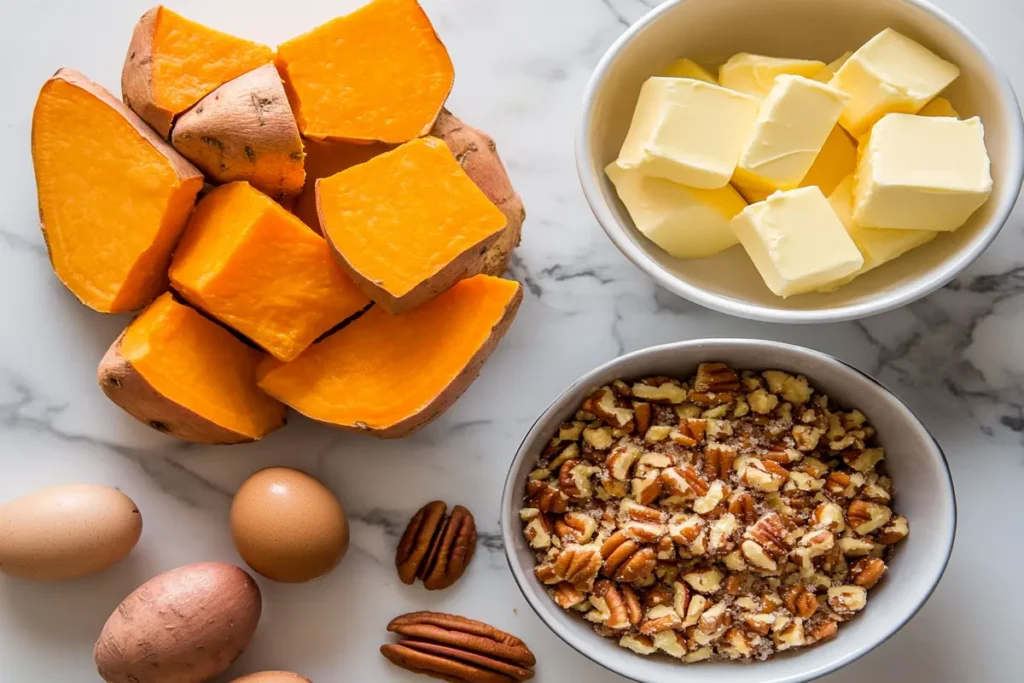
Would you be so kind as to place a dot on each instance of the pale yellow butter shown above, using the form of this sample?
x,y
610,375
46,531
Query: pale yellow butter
x,y
688,131
826,74
890,73
687,68
922,173
877,245
940,106
685,222
755,74
794,121
797,242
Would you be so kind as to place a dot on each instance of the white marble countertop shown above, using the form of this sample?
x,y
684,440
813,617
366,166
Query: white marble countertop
x,y
955,357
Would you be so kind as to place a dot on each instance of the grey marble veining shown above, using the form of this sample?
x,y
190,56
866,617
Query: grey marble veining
x,y
955,357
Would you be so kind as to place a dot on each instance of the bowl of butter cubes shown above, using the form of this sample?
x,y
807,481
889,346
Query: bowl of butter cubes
x,y
800,161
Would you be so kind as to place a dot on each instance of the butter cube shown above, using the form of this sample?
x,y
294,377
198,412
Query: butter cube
x,y
877,245
685,222
826,74
794,121
687,68
755,74
688,131
889,73
797,242
922,173
940,106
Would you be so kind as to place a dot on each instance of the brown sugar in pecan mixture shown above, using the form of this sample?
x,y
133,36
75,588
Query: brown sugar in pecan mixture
x,y
731,516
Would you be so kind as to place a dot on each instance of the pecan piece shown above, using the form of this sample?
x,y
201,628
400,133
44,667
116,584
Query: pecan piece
x,y
625,561
436,548
546,498
867,571
458,649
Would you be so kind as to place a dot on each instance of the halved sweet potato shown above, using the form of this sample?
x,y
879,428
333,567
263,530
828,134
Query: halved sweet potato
x,y
325,158
379,74
477,153
408,224
113,196
390,375
186,376
173,62
245,130
255,267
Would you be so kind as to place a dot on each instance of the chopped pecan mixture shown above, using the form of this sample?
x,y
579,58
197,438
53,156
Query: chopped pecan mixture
x,y
731,516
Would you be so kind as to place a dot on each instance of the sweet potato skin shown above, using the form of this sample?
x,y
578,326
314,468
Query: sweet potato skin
x,y
137,76
477,153
126,387
186,173
183,626
245,130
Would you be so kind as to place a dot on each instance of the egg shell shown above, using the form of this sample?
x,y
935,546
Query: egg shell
x,y
272,677
183,626
288,526
67,532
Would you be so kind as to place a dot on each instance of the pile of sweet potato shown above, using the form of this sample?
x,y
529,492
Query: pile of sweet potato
x,y
305,227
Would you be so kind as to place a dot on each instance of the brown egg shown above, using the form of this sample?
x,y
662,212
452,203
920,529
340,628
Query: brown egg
x,y
67,531
287,526
272,677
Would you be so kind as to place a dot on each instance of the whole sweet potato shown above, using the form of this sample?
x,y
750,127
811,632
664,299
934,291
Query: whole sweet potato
x,y
183,626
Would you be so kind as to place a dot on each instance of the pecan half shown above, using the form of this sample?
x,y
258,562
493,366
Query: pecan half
x,y
436,548
458,649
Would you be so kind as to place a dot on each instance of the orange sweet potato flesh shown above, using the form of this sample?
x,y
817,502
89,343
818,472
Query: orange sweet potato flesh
x,y
184,375
173,62
113,197
255,267
390,375
408,224
379,74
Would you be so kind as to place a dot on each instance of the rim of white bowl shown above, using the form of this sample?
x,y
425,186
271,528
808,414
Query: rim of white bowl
x,y
589,647
917,289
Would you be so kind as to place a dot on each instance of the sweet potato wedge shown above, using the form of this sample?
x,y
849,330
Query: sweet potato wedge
x,y
379,74
186,376
173,62
408,224
245,130
256,268
113,196
477,153
389,375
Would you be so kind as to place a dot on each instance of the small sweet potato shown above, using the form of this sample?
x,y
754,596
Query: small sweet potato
x,y
245,130
477,153
183,626
272,677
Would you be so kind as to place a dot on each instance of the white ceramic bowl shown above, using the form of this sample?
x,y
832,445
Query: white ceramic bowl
x,y
709,31
923,493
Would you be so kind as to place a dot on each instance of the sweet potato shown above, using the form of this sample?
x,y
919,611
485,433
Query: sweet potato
x,y
478,156
255,267
408,224
183,626
272,677
173,62
186,376
325,158
245,130
379,74
113,196
389,375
